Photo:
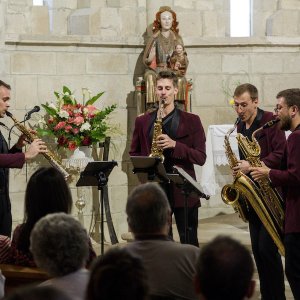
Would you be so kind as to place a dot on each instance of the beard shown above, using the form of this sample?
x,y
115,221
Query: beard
x,y
285,123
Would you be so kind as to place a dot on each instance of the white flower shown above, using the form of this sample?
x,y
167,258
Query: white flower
x,y
63,114
85,126
42,121
52,105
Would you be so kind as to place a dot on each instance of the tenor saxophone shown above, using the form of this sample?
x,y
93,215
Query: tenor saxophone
x,y
230,194
53,160
157,131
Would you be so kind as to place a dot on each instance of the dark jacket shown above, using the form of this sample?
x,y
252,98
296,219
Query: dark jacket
x,y
189,149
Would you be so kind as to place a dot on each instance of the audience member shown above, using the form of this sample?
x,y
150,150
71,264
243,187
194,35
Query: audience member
x,y
224,271
60,246
5,249
2,281
37,293
117,275
47,192
170,266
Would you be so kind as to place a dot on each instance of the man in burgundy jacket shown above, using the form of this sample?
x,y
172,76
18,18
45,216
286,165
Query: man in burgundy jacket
x,y
183,141
11,158
288,109
272,142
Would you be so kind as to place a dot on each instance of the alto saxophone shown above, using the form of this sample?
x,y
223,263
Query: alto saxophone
x,y
262,196
230,194
53,160
157,131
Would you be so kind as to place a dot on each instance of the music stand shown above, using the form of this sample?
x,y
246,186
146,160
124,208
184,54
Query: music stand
x,y
96,174
189,187
149,169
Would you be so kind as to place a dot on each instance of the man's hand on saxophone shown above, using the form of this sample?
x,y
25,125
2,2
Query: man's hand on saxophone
x,y
243,166
164,141
258,173
35,148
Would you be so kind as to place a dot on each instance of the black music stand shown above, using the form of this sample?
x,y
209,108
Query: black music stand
x,y
189,187
96,174
149,169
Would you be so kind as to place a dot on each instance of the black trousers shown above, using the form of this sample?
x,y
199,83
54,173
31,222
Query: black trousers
x,y
268,260
192,225
5,215
292,262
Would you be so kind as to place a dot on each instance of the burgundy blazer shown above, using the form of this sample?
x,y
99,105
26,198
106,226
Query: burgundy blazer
x,y
189,149
15,160
272,142
290,179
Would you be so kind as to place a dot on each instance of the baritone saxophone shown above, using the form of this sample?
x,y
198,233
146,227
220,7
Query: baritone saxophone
x,y
265,200
157,131
53,160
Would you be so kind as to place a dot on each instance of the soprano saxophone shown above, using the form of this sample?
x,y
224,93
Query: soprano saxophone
x,y
53,160
155,150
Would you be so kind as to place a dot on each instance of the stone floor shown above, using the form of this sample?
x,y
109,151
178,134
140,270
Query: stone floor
x,y
226,224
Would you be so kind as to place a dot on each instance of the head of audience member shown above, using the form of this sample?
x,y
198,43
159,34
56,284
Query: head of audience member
x,y
288,108
246,102
148,210
47,192
224,271
59,244
4,98
117,275
37,293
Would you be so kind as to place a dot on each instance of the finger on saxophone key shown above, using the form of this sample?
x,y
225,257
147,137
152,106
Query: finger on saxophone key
x,y
37,146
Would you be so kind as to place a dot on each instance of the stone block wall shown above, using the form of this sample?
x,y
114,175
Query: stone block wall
x,y
98,44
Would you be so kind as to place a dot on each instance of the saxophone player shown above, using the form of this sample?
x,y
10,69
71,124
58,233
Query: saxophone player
x,y
11,158
183,144
272,142
288,110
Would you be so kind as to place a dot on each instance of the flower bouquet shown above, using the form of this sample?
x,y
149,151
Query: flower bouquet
x,y
75,124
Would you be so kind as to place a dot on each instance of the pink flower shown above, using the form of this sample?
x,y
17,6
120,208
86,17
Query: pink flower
x,y
68,128
75,130
91,108
60,125
72,145
78,120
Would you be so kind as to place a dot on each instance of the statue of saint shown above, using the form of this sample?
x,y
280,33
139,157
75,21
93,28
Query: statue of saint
x,y
158,52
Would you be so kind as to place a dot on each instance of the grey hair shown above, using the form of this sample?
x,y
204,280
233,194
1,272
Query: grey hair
x,y
147,209
59,244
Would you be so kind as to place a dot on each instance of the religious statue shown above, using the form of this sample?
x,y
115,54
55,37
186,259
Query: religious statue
x,y
164,43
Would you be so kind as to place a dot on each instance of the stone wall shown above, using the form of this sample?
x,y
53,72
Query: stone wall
x,y
98,44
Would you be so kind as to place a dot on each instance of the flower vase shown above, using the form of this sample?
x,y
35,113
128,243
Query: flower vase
x,y
82,152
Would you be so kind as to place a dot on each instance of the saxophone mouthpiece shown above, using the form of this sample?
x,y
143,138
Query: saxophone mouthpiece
x,y
237,121
8,113
271,123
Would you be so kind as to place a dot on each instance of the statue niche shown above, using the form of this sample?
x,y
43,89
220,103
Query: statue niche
x,y
165,51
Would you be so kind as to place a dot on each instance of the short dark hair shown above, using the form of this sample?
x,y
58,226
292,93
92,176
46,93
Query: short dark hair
x,y
117,275
47,192
291,97
147,209
2,83
168,75
59,244
246,87
224,269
